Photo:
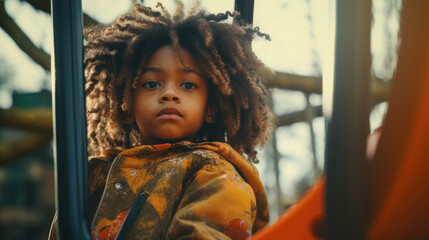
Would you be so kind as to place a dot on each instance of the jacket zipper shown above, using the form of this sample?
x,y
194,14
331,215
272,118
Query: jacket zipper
x,y
132,214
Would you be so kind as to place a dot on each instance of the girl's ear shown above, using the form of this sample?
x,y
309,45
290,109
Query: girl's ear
x,y
211,115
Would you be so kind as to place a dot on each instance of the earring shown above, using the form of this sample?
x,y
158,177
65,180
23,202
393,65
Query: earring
x,y
129,120
211,115
210,118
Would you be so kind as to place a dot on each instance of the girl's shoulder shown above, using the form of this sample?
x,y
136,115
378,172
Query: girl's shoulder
x,y
98,169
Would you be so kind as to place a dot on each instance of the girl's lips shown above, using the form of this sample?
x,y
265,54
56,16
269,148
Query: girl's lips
x,y
169,113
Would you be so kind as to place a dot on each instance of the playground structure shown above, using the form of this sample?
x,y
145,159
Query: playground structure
x,y
383,198
396,176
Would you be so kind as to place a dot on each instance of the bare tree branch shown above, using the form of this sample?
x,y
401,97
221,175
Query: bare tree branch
x,y
291,81
22,40
294,117
45,5
309,84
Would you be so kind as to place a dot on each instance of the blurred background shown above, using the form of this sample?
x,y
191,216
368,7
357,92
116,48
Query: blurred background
x,y
289,164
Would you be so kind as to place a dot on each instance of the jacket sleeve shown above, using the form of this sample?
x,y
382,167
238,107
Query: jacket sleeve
x,y
216,204
98,169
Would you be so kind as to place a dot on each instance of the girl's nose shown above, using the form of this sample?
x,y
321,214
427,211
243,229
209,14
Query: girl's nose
x,y
169,95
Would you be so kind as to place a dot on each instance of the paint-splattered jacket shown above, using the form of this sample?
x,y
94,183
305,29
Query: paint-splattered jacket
x,y
181,190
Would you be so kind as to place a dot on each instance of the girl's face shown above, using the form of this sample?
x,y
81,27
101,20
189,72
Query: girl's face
x,y
170,101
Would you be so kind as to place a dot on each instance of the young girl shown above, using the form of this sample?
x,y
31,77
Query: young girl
x,y
167,97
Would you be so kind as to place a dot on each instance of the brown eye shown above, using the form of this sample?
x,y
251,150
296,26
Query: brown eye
x,y
151,84
189,85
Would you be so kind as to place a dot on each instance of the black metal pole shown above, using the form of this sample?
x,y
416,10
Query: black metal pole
x,y
69,120
245,7
348,126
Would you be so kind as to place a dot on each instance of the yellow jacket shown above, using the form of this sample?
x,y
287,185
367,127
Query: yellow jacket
x,y
180,190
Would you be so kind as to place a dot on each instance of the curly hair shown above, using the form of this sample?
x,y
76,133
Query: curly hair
x,y
114,55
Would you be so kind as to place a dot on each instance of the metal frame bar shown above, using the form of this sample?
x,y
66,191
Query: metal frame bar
x,y
346,196
246,9
70,154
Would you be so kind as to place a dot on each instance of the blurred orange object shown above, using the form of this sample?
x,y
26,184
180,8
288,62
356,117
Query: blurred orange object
x,y
399,172
302,221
